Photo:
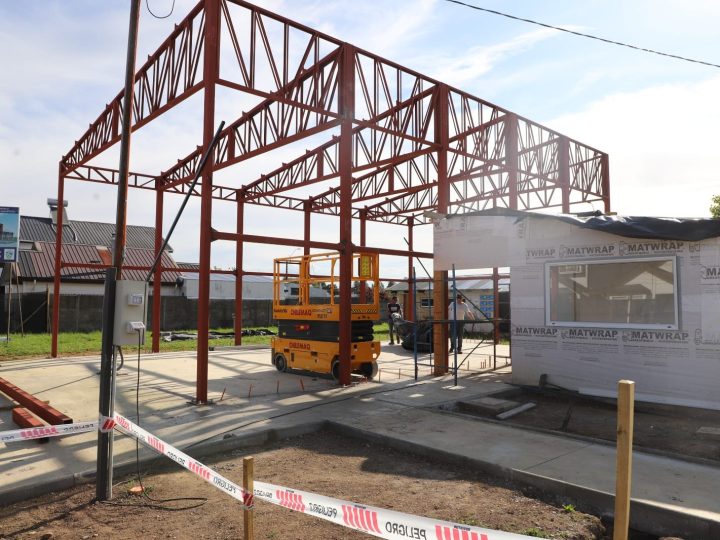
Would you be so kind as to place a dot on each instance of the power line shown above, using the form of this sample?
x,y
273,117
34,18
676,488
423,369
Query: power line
x,y
581,34
172,8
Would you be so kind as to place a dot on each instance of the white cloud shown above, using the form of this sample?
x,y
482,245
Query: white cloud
x,y
662,143
457,70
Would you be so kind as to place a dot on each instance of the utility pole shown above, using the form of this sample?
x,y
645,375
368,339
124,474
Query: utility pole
x,y
103,489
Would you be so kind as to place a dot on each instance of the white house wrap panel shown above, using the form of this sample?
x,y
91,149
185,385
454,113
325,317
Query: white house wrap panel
x,y
673,356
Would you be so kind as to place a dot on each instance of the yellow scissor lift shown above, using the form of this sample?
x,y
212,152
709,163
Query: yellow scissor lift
x,y
306,306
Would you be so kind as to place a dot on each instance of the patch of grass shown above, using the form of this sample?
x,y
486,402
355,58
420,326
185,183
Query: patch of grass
x,y
76,344
569,508
469,521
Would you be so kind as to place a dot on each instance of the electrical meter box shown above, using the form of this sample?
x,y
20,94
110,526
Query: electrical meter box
x,y
130,312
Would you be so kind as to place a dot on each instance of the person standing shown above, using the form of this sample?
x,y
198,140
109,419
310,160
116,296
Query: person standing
x,y
462,311
393,307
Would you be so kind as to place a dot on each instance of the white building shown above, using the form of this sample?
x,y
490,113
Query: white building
x,y
596,300
222,286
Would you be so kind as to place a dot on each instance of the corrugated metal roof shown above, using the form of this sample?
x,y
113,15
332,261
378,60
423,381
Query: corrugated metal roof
x,y
40,263
37,229
228,277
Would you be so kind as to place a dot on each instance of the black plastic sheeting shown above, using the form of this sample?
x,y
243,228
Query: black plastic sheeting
x,y
660,228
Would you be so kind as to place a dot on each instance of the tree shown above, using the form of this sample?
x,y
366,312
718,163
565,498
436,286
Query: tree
x,y
715,206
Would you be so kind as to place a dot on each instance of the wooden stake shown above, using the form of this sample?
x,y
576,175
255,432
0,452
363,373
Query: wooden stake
x,y
249,486
623,473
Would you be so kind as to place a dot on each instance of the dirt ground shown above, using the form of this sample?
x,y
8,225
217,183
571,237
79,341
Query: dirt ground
x,y
657,427
323,463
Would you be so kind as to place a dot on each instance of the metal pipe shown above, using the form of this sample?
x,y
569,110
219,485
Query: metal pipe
x,y
121,209
157,281
240,225
58,266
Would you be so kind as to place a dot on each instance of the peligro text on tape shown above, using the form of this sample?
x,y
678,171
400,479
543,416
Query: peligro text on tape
x,y
375,521
28,434
207,474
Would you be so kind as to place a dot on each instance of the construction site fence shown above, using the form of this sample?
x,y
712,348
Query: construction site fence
x,y
31,313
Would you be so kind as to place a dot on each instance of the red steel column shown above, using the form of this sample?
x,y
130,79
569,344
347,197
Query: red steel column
x,y
239,267
211,64
605,171
347,113
440,285
58,267
363,243
564,172
409,307
511,159
157,279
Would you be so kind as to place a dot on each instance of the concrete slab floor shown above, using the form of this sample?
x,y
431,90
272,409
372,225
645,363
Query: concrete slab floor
x,y
251,396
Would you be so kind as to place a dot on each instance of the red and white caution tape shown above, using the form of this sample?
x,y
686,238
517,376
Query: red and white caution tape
x,y
27,434
379,522
207,474
375,521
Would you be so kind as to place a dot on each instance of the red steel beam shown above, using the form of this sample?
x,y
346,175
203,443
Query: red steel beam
x,y
211,64
24,418
167,78
43,410
255,239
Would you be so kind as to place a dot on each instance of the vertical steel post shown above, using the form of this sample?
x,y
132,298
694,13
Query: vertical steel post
x,y
496,306
409,311
103,488
440,292
58,266
347,113
605,172
455,340
211,65
239,244
363,232
511,159
104,474
415,319
157,278
124,167
564,171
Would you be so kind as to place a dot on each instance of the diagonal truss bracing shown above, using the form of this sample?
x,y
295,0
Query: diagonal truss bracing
x,y
393,143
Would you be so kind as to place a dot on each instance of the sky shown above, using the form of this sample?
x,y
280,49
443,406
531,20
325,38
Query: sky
x,y
656,117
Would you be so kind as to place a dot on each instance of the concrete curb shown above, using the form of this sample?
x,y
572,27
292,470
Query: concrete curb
x,y
646,517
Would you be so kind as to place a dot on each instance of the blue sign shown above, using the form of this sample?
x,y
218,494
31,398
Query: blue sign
x,y
9,234
487,305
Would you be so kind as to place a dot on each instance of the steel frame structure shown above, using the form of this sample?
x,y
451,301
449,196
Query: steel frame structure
x,y
406,144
